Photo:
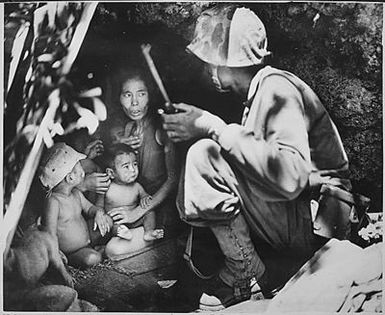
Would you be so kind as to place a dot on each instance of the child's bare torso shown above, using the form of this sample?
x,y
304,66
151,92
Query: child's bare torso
x,y
72,230
122,195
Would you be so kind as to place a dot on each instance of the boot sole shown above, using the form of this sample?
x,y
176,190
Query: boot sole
x,y
210,308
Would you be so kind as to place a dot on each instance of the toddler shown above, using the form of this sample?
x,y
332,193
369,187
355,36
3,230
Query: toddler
x,y
61,174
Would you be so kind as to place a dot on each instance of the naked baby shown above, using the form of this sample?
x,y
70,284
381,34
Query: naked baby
x,y
62,174
126,197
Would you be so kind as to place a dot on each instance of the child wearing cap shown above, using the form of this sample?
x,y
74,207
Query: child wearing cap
x,y
125,195
61,174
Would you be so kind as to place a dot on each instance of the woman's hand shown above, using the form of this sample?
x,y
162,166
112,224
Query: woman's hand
x,y
103,222
97,182
122,214
94,149
133,141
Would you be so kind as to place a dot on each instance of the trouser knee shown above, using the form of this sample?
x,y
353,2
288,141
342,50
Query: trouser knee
x,y
200,153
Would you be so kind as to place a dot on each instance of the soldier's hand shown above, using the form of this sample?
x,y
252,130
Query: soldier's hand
x,y
189,122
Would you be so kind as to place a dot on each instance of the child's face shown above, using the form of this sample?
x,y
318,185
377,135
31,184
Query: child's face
x,y
77,174
126,168
134,98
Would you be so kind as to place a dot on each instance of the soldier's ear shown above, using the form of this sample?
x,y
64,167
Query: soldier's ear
x,y
110,172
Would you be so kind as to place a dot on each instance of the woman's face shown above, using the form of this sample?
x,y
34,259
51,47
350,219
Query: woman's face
x,y
134,98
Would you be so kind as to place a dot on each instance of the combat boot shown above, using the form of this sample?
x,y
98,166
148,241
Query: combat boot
x,y
243,271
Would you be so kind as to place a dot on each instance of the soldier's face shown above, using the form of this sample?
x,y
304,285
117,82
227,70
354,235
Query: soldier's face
x,y
220,78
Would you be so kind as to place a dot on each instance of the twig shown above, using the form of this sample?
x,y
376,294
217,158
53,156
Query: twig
x,y
169,108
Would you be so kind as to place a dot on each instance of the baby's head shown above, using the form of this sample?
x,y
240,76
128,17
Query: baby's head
x,y
134,93
61,165
122,165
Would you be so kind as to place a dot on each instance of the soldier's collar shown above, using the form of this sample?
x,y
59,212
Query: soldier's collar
x,y
253,87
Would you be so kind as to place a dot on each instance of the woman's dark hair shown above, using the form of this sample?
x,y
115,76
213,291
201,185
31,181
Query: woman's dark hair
x,y
121,71
120,74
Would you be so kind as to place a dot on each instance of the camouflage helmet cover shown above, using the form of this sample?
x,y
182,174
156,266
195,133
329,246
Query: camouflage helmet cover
x,y
229,36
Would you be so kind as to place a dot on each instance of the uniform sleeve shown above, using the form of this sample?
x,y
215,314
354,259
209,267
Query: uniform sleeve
x,y
276,158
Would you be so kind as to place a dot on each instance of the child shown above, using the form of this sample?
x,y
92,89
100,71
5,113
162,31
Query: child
x,y
61,174
127,195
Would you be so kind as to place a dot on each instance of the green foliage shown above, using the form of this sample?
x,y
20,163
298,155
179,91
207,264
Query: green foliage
x,y
42,82
38,75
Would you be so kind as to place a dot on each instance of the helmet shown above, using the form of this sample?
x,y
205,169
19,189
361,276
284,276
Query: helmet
x,y
229,36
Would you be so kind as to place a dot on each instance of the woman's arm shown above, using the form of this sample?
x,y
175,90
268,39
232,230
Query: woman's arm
x,y
171,182
125,214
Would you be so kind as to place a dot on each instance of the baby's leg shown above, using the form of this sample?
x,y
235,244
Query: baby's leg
x,y
85,257
123,232
149,223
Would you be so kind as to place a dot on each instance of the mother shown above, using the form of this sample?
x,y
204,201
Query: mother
x,y
141,129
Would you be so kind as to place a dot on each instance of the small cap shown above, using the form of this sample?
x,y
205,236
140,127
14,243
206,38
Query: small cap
x,y
57,163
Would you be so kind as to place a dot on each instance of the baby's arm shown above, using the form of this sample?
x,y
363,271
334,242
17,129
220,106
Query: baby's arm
x,y
145,198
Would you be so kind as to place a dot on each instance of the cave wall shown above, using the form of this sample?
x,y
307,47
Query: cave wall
x,y
334,47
